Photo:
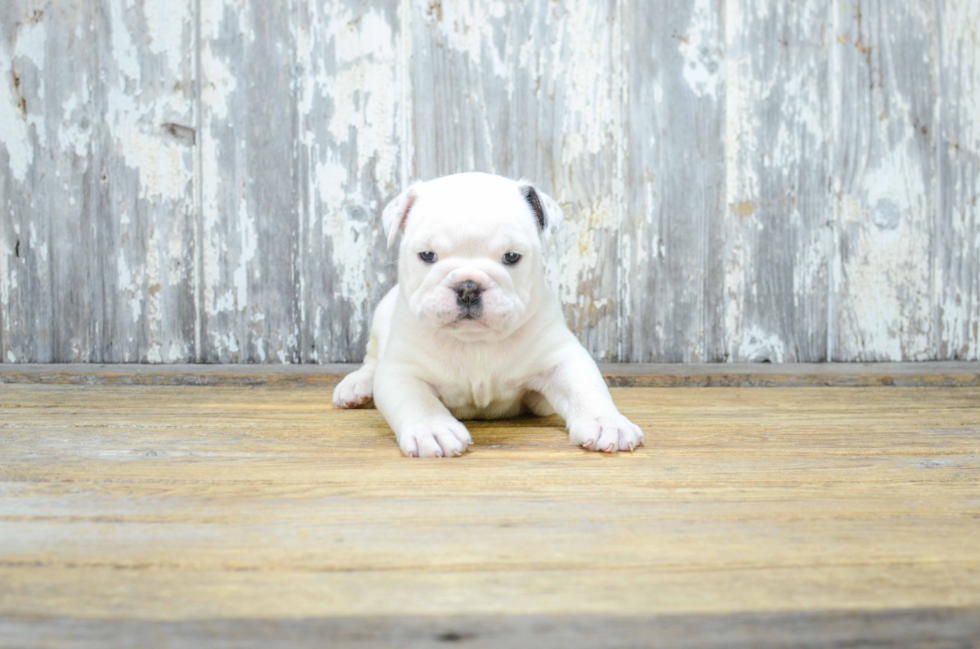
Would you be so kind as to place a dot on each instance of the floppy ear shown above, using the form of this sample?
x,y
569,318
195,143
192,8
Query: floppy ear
x,y
546,211
396,212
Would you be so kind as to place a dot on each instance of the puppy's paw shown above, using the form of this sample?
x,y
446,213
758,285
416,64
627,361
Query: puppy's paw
x,y
437,438
608,433
356,390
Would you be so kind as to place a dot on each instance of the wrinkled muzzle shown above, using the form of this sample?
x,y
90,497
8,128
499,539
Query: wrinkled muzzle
x,y
465,299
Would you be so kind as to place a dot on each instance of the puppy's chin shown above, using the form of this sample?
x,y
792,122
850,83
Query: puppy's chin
x,y
470,329
486,327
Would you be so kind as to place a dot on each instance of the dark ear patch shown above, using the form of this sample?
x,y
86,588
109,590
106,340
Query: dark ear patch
x,y
531,196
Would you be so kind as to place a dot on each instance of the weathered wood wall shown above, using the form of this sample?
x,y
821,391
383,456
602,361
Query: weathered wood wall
x,y
745,180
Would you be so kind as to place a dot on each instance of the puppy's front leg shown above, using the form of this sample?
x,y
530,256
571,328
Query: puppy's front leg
x,y
422,424
576,390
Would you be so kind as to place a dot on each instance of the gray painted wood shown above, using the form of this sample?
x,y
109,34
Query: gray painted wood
x,y
300,152
249,302
958,181
147,214
743,181
51,190
672,292
885,92
777,209
353,120
97,190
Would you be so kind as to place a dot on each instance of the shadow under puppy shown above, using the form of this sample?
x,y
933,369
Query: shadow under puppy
x,y
471,330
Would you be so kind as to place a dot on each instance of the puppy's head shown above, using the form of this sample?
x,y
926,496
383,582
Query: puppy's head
x,y
470,261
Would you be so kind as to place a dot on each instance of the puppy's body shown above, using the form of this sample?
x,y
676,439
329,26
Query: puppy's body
x,y
472,334
473,380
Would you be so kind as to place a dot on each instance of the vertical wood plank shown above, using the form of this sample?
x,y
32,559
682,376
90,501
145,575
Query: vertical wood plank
x,y
250,203
95,259
349,87
884,172
671,292
148,215
958,148
780,238
300,151
51,191
533,89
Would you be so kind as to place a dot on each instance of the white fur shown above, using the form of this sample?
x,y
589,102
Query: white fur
x,y
426,368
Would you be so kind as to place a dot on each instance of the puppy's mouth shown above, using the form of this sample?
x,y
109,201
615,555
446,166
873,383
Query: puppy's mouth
x,y
470,311
468,317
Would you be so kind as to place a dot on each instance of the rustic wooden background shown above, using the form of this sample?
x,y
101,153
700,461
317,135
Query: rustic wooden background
x,y
745,180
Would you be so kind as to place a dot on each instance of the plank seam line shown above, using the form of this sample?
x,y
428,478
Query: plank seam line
x,y
198,185
619,187
405,55
832,182
938,203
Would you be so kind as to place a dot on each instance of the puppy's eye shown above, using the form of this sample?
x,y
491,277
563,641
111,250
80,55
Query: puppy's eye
x,y
512,258
428,256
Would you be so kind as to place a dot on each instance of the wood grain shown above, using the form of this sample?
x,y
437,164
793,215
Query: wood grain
x,y
884,179
249,306
952,627
777,209
744,181
958,199
51,298
143,261
644,375
98,189
351,103
171,507
672,292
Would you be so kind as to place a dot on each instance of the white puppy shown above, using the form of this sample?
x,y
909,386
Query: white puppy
x,y
471,330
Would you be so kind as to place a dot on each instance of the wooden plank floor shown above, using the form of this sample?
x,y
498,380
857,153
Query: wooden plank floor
x,y
258,516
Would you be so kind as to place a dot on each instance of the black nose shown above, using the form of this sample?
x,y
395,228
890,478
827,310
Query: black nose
x,y
467,293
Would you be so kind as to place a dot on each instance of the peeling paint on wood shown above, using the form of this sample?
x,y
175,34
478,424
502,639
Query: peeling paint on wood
x,y
779,236
147,219
352,114
672,243
95,195
250,208
957,143
885,92
748,180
